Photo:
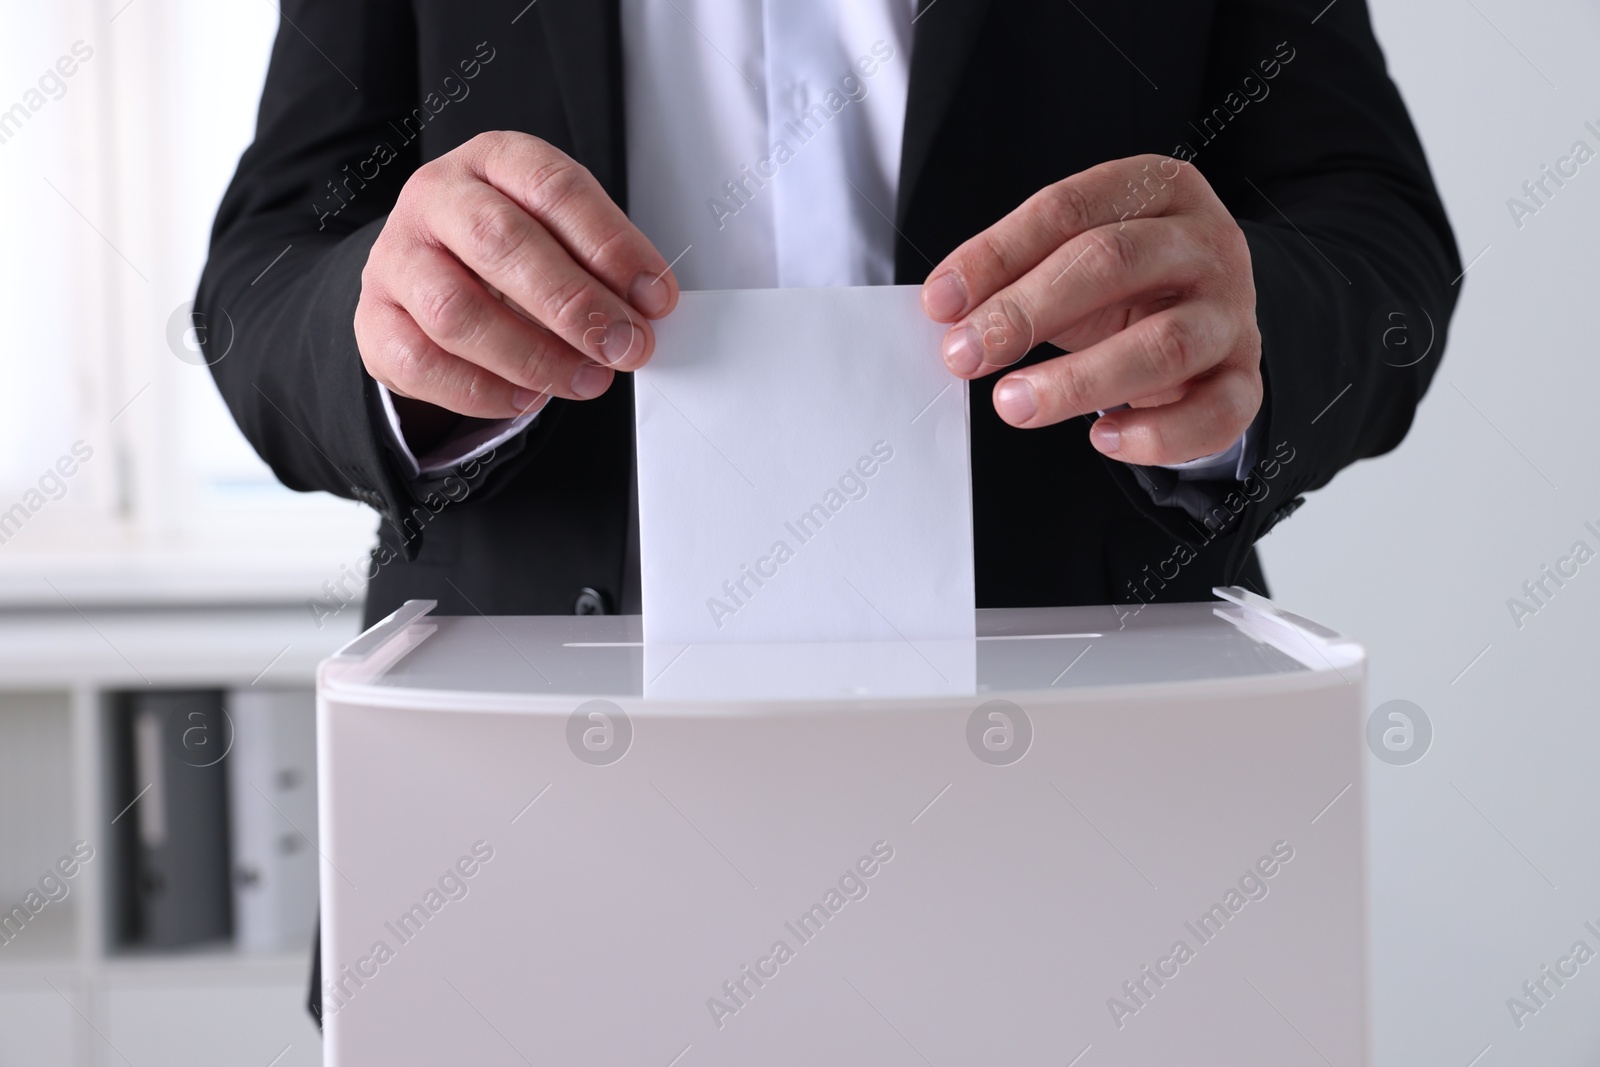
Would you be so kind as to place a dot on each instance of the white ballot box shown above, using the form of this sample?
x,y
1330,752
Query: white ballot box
x,y
1092,836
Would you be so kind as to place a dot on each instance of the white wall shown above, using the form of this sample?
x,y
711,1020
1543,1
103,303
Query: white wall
x,y
1484,852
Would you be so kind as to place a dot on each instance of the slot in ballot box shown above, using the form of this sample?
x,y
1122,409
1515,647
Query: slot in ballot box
x,y
1092,836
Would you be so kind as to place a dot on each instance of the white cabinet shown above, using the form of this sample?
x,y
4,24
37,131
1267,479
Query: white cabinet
x,y
67,999
215,1012
38,1024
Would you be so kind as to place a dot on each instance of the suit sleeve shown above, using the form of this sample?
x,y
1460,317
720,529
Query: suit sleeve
x,y
290,240
1355,265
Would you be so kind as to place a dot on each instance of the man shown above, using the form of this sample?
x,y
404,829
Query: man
x,y
1220,210
445,248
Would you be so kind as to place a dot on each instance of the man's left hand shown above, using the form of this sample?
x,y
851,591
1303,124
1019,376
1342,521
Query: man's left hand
x,y
1136,269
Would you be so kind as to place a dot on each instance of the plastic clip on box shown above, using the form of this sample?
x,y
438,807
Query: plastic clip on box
x,y
1132,831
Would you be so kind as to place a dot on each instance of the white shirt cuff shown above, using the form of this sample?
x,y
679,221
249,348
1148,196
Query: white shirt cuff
x,y
489,435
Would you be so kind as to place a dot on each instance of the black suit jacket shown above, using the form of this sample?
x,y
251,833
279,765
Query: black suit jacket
x,y
1290,116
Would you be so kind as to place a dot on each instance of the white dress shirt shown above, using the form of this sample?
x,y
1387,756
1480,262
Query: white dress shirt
x,y
763,149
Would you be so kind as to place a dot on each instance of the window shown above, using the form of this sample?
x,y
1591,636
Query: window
x,y
120,124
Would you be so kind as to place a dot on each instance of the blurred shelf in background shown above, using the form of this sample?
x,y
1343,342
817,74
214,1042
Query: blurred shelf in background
x,y
70,993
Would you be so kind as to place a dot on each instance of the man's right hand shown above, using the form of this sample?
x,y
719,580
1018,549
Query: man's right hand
x,y
505,275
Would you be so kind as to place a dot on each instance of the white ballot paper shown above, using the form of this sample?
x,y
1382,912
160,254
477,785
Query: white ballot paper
x,y
803,472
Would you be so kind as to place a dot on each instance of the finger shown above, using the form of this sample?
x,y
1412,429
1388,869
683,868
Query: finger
x,y
1140,187
1108,267
1209,418
563,195
1096,327
413,366
1155,354
502,244
464,319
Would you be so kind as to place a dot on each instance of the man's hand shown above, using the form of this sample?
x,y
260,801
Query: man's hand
x,y
503,276
1137,270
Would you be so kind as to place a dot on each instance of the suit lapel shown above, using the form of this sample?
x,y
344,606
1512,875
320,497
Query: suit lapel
x,y
944,35
585,42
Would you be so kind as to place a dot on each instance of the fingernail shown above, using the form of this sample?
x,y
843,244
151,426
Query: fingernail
x,y
1014,400
617,342
649,293
590,381
1106,438
963,350
527,400
944,297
